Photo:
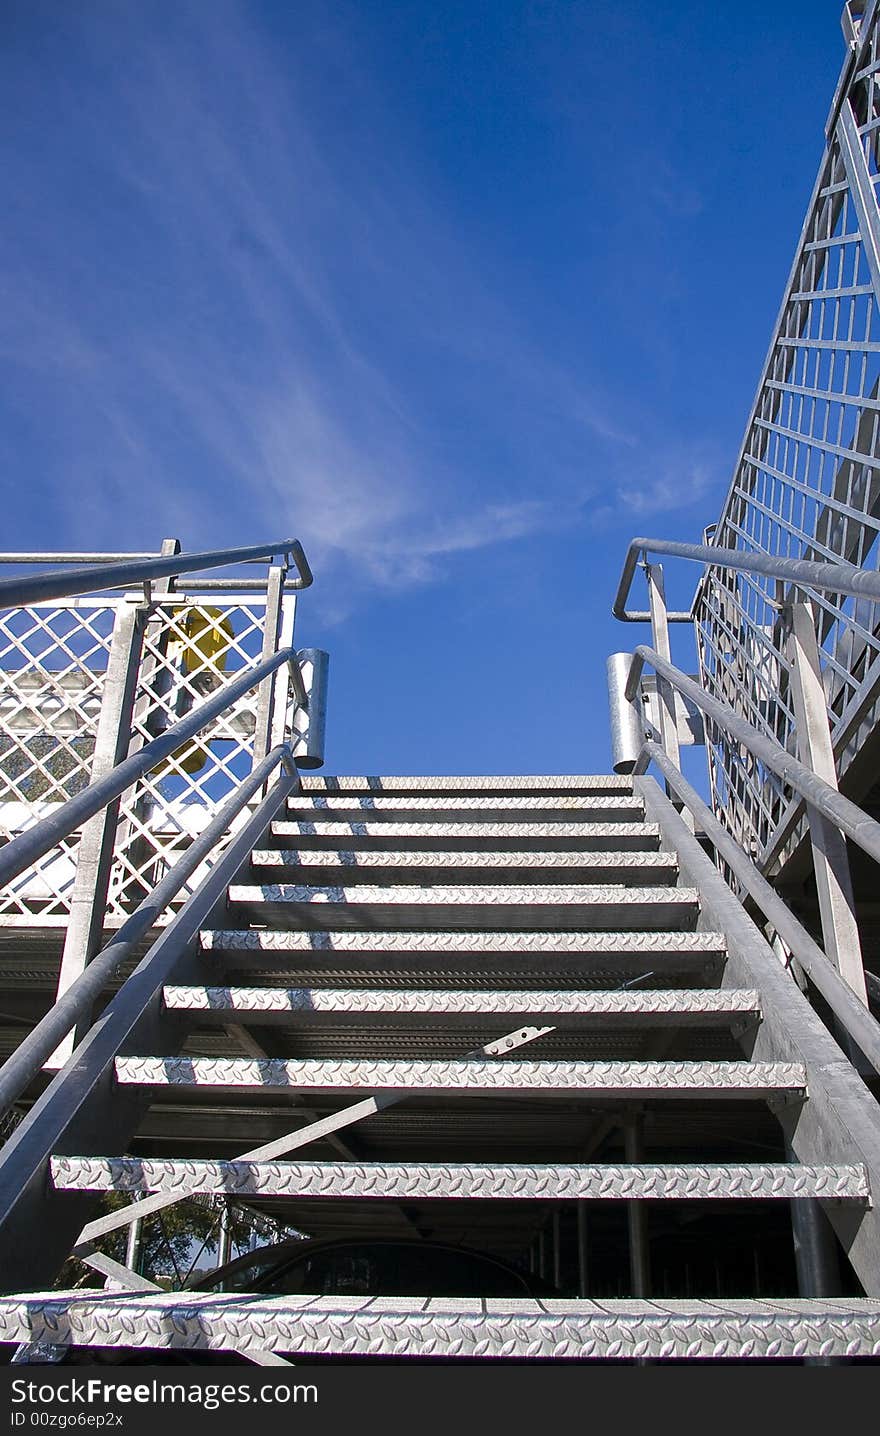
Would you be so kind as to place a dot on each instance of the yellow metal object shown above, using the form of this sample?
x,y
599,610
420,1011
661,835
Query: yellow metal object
x,y
200,646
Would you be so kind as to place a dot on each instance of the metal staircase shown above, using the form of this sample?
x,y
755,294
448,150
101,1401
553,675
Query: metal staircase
x,y
614,1035
355,1020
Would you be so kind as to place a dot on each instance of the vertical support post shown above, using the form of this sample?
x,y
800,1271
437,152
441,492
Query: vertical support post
x,y
815,1252
154,681
278,728
637,1213
271,629
224,1245
95,852
583,1250
665,691
660,636
557,1248
133,1246
542,1255
840,934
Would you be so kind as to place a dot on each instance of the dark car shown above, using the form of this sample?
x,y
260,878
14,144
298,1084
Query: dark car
x,y
360,1266
337,1266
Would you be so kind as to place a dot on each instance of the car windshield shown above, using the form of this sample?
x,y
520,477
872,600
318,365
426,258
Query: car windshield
x,y
372,1269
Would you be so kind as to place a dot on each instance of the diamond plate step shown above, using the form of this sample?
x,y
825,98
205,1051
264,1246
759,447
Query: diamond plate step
x,y
699,946
506,1076
462,808
446,1327
401,1181
503,907
365,833
681,1007
443,868
464,783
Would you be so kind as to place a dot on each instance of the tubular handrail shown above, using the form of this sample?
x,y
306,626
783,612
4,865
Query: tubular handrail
x,y
834,577
34,842
76,1002
862,1027
25,1156
128,573
840,810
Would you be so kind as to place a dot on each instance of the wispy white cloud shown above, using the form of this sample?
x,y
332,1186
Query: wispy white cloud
x,y
669,480
258,346
251,317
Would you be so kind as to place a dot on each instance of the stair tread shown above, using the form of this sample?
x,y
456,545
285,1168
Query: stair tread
x,y
348,829
350,861
449,1326
476,893
530,943
511,905
622,802
388,1001
466,1180
359,782
469,1075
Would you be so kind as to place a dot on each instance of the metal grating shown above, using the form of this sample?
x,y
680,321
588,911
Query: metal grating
x,y
806,484
53,669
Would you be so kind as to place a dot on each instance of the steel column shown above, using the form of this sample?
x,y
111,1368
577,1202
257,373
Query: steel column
x,y
583,1250
133,1247
271,630
281,694
815,1248
224,1243
840,932
557,1248
660,637
96,846
637,1212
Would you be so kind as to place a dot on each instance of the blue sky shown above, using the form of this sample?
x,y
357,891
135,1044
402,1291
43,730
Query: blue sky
x,y
461,294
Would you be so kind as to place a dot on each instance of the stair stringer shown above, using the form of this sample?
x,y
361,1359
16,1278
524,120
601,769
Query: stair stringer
x,y
840,1120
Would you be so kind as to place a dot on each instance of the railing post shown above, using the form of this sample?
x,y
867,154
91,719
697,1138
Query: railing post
x,y
660,637
153,680
96,846
278,731
840,932
271,631
665,690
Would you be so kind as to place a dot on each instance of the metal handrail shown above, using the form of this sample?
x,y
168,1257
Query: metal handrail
x,y
25,1156
854,1017
834,577
840,810
77,1001
32,844
98,577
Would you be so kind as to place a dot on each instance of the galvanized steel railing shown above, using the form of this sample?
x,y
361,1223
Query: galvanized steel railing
x,y
787,612
89,679
134,731
845,992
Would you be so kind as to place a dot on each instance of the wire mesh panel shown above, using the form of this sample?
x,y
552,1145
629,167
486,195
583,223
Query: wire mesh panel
x,y
53,661
188,651
807,483
53,679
